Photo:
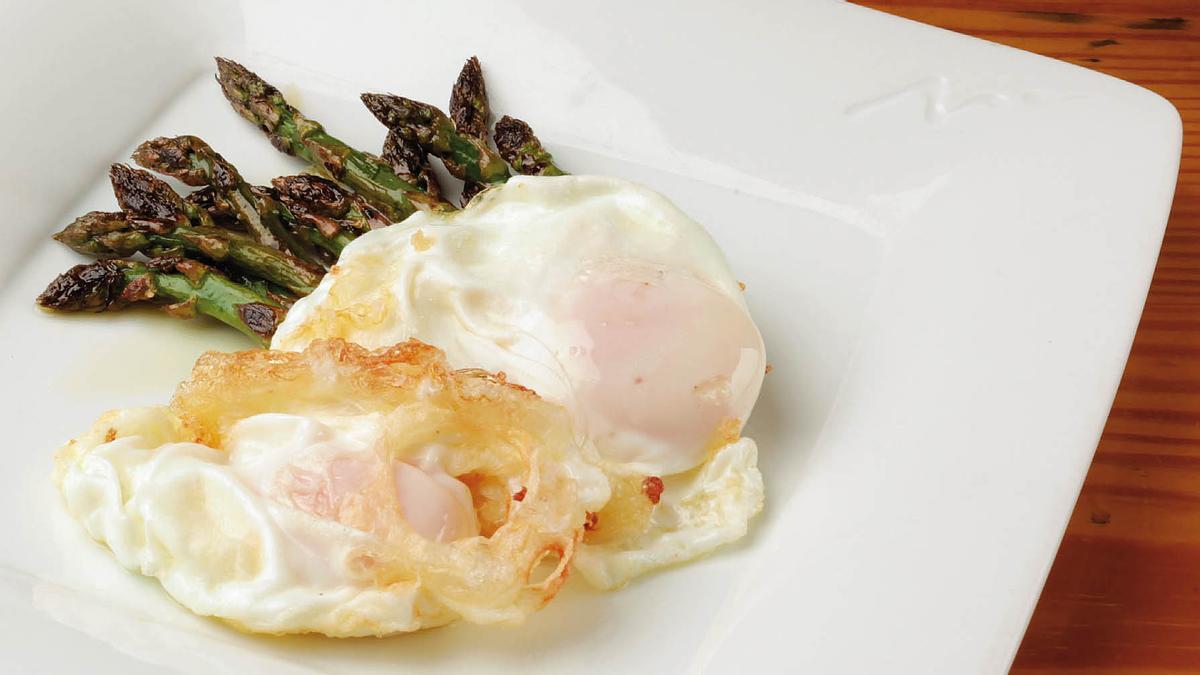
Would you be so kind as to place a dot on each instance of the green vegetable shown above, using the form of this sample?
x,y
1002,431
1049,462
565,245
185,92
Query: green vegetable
x,y
523,150
293,133
183,287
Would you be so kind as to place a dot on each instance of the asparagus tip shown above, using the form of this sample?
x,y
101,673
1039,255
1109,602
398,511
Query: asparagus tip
x,y
468,101
142,194
511,132
521,148
252,97
92,287
229,70
85,233
398,112
375,102
172,156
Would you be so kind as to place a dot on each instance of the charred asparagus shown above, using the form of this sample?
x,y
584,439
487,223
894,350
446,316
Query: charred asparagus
x,y
470,113
183,287
291,132
523,150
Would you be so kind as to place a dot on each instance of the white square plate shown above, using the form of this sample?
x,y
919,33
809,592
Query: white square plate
x,y
946,243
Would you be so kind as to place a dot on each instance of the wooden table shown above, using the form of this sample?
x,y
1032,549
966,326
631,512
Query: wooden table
x,y
1124,593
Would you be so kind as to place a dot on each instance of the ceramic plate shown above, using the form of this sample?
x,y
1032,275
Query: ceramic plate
x,y
945,242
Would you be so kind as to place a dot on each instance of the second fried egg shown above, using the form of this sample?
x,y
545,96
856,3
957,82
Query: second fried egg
x,y
338,491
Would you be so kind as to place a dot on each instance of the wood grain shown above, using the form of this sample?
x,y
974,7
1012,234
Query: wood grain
x,y
1124,593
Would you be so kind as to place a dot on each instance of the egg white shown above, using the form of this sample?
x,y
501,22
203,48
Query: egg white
x,y
186,514
699,512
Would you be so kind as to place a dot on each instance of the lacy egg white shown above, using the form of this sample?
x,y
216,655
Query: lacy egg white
x,y
339,491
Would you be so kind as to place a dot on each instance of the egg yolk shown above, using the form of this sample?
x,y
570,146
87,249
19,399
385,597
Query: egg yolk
x,y
337,475
436,505
671,363
433,503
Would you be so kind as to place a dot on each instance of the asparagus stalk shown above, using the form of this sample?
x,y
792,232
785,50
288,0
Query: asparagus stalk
x,y
466,157
470,113
332,216
293,133
184,288
166,221
523,150
194,162
277,294
411,163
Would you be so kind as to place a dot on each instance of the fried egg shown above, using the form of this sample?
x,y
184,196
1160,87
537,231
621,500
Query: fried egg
x,y
603,297
340,491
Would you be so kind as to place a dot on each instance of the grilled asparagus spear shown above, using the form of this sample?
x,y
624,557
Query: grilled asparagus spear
x,y
523,150
293,133
470,113
183,287
113,235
